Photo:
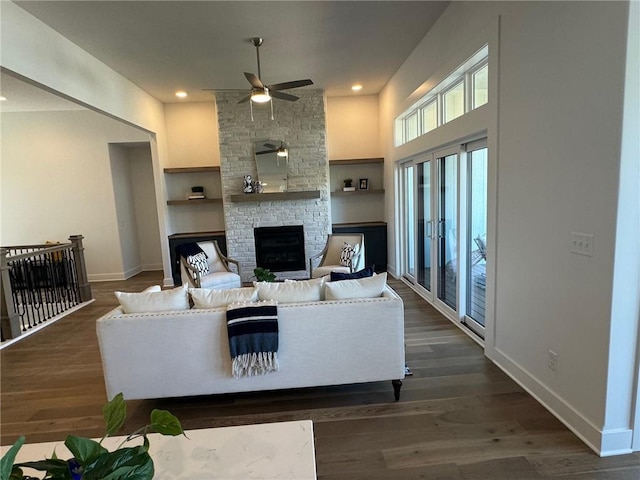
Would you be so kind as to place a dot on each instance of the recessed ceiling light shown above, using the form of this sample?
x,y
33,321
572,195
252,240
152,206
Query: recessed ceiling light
x,y
181,94
357,87
2,98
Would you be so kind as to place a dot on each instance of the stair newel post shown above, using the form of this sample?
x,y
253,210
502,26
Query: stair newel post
x,y
10,319
81,268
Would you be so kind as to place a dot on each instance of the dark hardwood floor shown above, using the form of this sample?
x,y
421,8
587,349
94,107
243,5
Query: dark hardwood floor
x,y
459,416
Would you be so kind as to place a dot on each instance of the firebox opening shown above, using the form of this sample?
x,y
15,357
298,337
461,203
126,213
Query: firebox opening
x,y
280,249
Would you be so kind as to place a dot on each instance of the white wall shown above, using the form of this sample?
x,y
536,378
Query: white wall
x,y
192,134
144,203
125,210
556,155
353,127
56,181
37,52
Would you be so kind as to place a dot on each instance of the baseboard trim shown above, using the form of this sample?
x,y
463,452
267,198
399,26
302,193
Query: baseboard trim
x,y
115,276
604,443
105,277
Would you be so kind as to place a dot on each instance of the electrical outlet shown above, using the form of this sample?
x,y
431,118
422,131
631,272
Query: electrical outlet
x,y
553,360
582,243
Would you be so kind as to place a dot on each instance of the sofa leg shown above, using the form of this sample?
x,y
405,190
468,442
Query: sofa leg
x,y
397,385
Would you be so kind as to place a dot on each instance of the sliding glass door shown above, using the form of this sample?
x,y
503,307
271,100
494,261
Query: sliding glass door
x,y
408,220
447,242
449,232
476,236
424,226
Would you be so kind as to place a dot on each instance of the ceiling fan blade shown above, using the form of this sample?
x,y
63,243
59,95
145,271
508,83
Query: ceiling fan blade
x,y
287,85
284,96
254,81
245,99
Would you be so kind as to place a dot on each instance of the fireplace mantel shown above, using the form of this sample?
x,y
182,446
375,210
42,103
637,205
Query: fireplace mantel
x,y
275,196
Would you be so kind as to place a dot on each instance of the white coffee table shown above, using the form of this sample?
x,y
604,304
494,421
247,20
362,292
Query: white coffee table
x,y
266,451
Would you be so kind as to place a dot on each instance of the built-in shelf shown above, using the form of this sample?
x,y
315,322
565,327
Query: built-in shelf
x,y
275,196
340,193
355,161
194,201
192,169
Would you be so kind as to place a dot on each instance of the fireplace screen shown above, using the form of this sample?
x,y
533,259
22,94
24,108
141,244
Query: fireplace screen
x,y
280,249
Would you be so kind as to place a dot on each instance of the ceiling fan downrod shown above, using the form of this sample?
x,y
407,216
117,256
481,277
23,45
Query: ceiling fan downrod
x,y
256,42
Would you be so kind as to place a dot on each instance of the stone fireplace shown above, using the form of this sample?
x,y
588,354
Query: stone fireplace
x,y
301,125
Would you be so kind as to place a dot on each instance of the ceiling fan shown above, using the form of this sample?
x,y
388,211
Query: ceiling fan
x,y
261,93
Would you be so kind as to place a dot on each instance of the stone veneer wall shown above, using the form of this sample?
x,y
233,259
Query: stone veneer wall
x,y
301,125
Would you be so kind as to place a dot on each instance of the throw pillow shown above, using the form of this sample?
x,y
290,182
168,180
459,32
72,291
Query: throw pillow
x,y
347,253
154,301
313,281
365,272
290,292
368,287
207,298
199,263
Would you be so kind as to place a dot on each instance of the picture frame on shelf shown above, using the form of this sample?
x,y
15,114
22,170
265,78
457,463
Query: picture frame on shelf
x,y
363,184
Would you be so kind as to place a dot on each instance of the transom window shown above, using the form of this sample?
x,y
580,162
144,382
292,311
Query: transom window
x,y
463,90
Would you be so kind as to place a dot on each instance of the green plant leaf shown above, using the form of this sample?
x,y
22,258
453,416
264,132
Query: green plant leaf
x,y
83,449
52,466
6,462
115,413
143,471
124,460
165,423
16,474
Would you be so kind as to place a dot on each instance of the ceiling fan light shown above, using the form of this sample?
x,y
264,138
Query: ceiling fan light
x,y
260,96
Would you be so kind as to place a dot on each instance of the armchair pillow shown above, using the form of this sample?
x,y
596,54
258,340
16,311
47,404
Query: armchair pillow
x,y
199,263
347,254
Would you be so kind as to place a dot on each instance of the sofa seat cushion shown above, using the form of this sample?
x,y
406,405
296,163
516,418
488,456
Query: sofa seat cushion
x,y
327,269
221,281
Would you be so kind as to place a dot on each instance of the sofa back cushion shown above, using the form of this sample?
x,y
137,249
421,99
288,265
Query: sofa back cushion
x,y
292,292
207,298
365,272
368,287
154,301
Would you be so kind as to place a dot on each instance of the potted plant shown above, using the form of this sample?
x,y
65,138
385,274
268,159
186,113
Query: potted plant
x,y
263,274
91,461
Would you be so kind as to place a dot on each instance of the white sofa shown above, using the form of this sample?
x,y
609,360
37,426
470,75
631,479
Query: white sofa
x,y
183,353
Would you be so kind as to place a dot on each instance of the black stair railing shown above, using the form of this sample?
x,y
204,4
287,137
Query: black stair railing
x,y
40,282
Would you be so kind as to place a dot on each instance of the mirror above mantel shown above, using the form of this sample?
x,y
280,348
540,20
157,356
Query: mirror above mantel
x,y
272,158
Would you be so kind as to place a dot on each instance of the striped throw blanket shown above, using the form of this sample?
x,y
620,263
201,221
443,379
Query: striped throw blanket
x,y
253,338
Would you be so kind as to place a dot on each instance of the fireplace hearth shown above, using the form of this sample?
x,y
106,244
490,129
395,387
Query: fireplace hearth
x,y
280,249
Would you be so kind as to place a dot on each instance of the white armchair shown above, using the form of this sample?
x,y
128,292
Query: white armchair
x,y
330,256
220,276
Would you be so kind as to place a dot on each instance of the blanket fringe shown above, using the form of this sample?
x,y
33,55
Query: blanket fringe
x,y
251,364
